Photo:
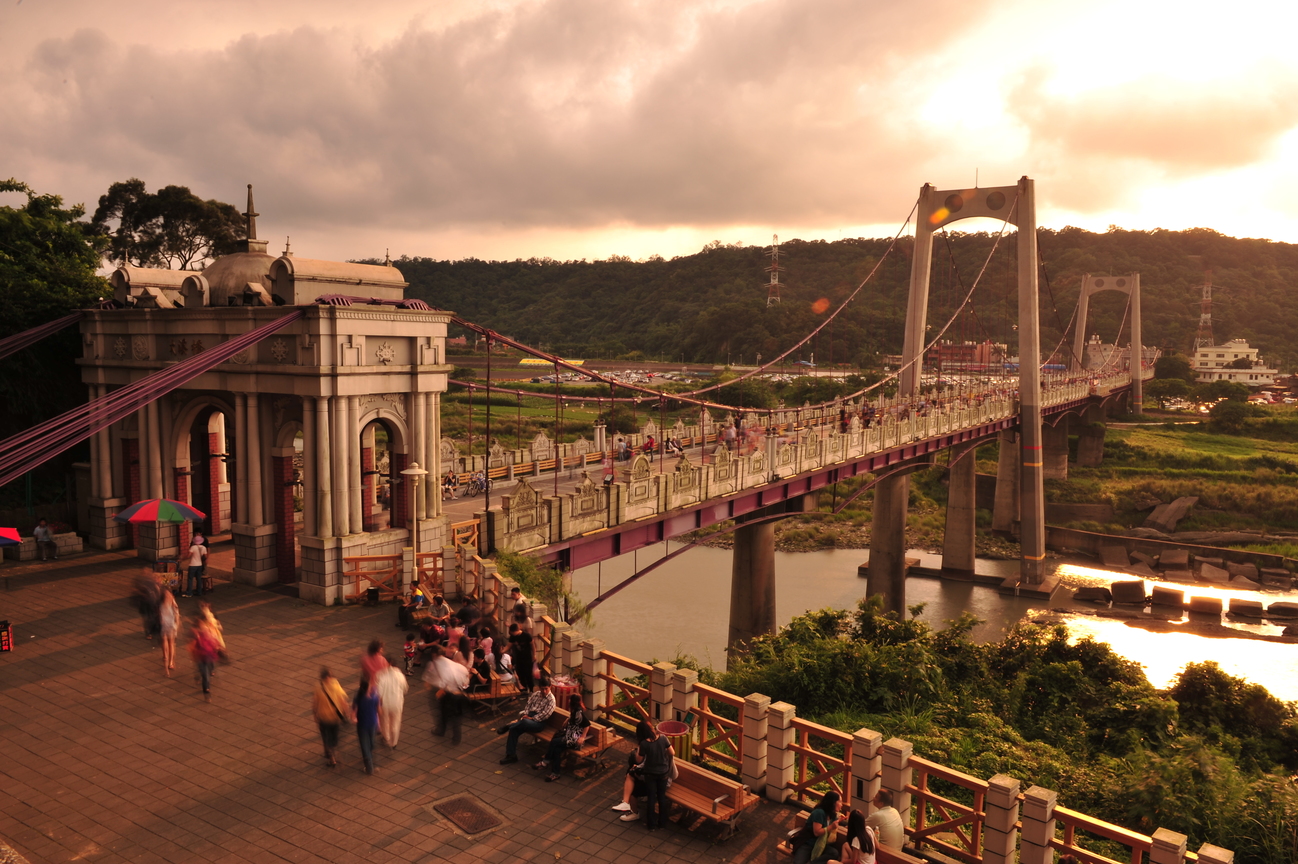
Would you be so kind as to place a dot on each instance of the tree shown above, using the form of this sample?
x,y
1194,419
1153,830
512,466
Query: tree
x,y
1228,416
172,228
48,259
1240,363
1221,390
1162,390
1174,366
544,584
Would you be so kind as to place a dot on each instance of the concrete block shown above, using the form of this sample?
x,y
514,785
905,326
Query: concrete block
x,y
1178,576
778,778
755,705
661,692
1211,573
780,738
1039,803
1168,847
754,767
1174,559
1282,610
1128,593
1003,791
1004,819
897,753
1141,558
1002,844
1205,605
1143,570
780,715
756,747
661,674
755,727
780,758
1038,833
1168,597
1114,557
1247,571
684,701
1246,608
866,744
1093,594
1209,854
1031,853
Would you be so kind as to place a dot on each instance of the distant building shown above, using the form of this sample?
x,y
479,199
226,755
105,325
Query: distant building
x,y
953,355
1212,362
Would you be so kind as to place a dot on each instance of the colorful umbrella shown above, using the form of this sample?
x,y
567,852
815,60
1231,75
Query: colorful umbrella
x,y
160,510
9,537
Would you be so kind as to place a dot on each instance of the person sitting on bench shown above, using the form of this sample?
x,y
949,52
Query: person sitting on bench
x,y
571,737
540,705
633,786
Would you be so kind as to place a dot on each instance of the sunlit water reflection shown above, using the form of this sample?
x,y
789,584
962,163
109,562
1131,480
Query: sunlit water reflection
x,y
683,607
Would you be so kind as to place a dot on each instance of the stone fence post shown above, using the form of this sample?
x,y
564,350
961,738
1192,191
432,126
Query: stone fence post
x,y
571,650
593,688
1209,854
660,690
684,699
1038,826
755,719
779,751
1000,828
867,766
1168,847
897,775
557,666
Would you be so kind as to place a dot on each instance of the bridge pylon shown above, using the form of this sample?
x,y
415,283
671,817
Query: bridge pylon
x,y
1015,205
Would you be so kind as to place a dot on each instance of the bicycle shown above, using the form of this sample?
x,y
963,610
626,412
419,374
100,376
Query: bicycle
x,y
476,484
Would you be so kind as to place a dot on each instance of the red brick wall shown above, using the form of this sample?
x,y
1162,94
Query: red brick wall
x,y
213,484
400,493
285,526
182,495
131,474
367,488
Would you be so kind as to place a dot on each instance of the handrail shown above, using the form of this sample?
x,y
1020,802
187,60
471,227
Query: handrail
x,y
964,821
636,697
718,734
812,767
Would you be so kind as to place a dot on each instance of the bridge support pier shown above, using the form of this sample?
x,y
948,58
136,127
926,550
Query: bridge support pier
x,y
1005,511
752,583
887,574
958,546
1090,438
1054,450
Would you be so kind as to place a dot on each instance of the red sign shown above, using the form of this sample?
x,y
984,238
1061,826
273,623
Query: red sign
x,y
6,637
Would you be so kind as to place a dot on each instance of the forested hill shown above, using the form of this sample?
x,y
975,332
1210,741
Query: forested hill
x,y
711,305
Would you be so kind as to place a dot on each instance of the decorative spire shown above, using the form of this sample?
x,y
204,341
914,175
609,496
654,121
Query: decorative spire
x,y
288,251
387,257
251,216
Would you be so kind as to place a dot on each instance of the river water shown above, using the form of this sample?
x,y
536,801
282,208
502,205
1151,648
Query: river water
x,y
683,607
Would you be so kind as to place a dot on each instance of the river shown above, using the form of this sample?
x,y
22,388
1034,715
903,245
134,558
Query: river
x,y
683,607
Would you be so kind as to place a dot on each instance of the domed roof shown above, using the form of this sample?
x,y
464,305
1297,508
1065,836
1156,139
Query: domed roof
x,y
229,275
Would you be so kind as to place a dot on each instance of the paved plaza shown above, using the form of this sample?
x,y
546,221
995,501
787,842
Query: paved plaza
x,y
104,759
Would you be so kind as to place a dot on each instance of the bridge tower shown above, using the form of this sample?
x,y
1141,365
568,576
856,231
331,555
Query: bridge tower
x,y
1129,285
887,575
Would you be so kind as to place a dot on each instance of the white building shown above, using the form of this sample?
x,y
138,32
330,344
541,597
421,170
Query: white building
x,y
1212,363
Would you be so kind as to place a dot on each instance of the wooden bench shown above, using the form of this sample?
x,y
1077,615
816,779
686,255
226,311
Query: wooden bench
x,y
710,795
497,695
883,854
596,744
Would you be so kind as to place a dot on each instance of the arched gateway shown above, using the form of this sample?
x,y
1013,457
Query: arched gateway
x,y
296,445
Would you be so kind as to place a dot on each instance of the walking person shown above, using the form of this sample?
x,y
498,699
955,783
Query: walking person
x,y
147,596
205,649
655,763
452,679
331,711
524,656
45,540
168,627
365,711
196,558
373,662
392,688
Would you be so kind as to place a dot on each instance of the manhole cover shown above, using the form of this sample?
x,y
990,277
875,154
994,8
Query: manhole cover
x,y
467,814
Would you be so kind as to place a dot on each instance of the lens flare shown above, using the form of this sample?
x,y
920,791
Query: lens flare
x,y
938,215
820,305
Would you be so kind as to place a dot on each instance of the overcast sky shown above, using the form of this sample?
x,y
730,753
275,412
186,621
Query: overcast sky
x,y
586,128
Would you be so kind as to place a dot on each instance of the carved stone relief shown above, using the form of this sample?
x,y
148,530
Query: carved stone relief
x,y
542,447
279,350
119,347
385,353
140,347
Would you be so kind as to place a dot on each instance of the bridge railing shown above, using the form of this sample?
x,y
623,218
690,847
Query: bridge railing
x,y
627,700
823,768
720,738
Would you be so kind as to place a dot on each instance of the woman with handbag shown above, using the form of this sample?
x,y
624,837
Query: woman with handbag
x,y
810,841
570,737
656,760
331,711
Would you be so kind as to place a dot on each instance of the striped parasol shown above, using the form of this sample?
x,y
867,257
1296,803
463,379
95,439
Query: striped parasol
x,y
9,537
159,510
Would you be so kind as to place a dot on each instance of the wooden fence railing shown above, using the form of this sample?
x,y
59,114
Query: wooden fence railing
x,y
362,571
721,739
816,769
626,701
938,817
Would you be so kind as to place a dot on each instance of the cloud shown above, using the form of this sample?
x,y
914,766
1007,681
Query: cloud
x,y
555,113
1104,146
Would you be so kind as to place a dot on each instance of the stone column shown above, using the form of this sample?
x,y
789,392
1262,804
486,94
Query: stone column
x,y
252,435
354,456
167,447
419,435
241,458
1032,500
684,699
1005,512
897,775
593,688
1054,450
752,583
660,690
310,454
958,542
341,470
1090,438
571,651
756,733
1136,358
1038,826
323,473
1209,854
887,573
779,752
867,767
1000,828
431,460
285,521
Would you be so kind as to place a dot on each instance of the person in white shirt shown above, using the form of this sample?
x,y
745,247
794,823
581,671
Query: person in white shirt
x,y
392,687
448,680
196,558
886,821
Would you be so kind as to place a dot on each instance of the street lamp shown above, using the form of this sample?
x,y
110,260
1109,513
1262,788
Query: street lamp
x,y
416,474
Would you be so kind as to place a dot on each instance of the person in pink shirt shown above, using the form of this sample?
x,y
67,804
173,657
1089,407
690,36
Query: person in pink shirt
x,y
373,662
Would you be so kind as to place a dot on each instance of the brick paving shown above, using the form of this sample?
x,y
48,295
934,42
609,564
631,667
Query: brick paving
x,y
104,759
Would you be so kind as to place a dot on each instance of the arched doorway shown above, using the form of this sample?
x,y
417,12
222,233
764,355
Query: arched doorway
x,y
208,480
377,474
